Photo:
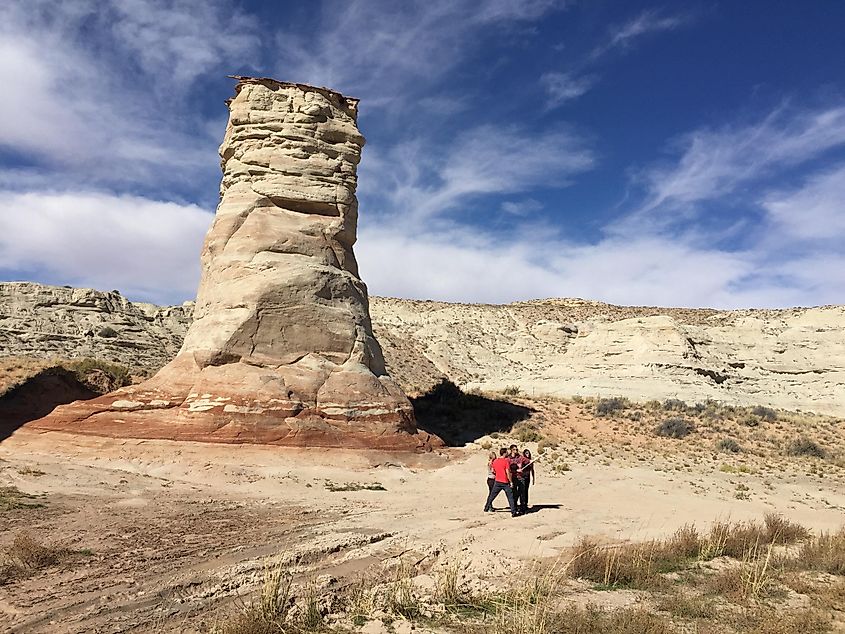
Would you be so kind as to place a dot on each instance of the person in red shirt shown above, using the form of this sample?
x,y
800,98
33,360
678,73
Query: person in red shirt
x,y
503,482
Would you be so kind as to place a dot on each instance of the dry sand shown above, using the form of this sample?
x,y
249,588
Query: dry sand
x,y
178,531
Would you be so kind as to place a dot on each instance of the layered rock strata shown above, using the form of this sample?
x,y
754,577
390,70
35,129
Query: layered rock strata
x,y
281,348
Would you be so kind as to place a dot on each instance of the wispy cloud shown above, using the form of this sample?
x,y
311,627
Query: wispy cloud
x,y
392,51
522,207
623,36
422,182
563,87
714,163
97,88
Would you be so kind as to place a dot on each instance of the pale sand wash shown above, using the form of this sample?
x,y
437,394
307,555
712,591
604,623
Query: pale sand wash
x,y
177,531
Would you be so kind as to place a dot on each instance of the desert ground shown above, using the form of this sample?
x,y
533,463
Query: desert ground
x,y
105,535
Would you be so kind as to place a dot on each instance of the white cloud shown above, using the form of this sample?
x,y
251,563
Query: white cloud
x,y
460,264
563,87
145,248
95,88
813,212
714,163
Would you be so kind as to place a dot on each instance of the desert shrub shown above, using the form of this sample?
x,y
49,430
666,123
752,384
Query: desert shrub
x,y
675,427
674,405
107,332
803,446
780,530
595,620
609,406
546,444
634,565
527,433
825,553
512,390
765,413
729,445
84,367
750,420
26,555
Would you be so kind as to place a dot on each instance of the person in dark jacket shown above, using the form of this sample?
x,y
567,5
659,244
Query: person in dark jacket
x,y
525,475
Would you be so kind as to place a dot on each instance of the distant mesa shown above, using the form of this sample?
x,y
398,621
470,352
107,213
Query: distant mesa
x,y
281,348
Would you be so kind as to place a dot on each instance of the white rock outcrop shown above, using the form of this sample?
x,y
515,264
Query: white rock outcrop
x,y
281,348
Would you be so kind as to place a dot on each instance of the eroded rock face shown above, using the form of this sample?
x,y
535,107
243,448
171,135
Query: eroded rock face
x,y
281,349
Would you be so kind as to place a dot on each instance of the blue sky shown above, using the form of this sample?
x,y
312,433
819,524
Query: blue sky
x,y
678,154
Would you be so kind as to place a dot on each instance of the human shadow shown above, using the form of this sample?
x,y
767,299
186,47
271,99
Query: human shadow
x,y
459,418
536,508
38,396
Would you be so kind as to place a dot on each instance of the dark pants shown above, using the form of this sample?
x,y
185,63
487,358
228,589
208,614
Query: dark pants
x,y
490,483
494,492
522,495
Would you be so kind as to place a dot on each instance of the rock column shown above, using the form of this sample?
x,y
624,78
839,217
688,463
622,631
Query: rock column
x,y
281,349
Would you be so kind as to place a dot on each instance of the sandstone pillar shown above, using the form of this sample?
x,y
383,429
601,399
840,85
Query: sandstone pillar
x,y
281,349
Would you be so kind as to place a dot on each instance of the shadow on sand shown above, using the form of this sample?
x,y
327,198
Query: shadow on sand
x,y
459,418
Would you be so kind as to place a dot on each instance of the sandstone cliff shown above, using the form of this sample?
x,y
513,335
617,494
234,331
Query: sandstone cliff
x,y
793,358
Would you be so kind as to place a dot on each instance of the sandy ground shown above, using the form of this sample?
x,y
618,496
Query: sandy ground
x,y
170,533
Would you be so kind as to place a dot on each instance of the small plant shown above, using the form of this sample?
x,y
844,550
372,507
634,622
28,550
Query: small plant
x,y
527,433
546,445
750,420
609,406
512,390
354,486
13,498
674,405
675,427
803,446
728,445
765,413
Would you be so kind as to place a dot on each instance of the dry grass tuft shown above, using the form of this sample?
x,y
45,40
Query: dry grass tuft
x,y
825,553
27,555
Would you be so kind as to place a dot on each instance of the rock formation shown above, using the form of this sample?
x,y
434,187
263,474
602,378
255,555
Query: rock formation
x,y
281,348
58,321
792,358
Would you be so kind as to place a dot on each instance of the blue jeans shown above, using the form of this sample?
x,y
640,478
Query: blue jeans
x,y
494,492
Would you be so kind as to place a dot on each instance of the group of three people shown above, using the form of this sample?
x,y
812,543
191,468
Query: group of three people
x,y
513,473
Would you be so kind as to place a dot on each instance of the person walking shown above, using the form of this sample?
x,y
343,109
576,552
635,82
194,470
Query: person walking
x,y
525,475
503,482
